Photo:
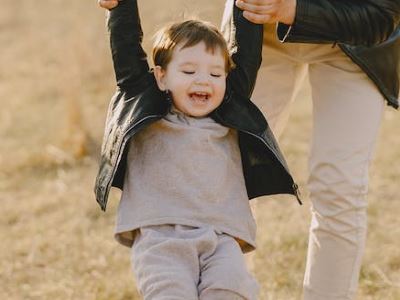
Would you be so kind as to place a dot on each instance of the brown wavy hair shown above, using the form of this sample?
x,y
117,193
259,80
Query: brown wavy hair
x,y
188,33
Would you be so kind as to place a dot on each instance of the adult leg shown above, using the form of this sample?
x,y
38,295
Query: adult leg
x,y
347,112
279,80
223,274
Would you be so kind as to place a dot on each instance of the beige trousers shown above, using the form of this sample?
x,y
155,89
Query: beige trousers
x,y
176,262
347,112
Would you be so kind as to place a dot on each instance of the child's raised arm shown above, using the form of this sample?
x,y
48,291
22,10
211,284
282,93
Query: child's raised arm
x,y
245,43
129,58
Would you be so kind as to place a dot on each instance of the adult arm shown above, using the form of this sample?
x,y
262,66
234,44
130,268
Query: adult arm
x,y
129,58
353,22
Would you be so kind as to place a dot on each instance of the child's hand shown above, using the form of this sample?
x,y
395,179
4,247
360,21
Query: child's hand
x,y
108,4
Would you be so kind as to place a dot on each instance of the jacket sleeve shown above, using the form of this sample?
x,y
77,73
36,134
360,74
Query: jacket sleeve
x,y
245,45
129,58
352,22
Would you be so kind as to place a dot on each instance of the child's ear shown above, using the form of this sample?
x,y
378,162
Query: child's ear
x,y
159,74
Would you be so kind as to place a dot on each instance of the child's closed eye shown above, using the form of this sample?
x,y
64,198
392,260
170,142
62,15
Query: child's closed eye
x,y
187,72
217,75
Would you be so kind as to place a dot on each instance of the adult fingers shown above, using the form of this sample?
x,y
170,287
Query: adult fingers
x,y
108,4
259,19
261,2
254,7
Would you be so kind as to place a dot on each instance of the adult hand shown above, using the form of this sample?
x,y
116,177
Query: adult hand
x,y
268,11
108,4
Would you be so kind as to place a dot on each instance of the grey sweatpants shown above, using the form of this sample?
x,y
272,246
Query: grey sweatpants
x,y
181,262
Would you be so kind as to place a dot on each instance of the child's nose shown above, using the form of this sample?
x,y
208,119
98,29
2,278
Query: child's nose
x,y
202,79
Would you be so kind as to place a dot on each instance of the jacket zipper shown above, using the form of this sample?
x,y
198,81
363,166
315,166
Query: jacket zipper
x,y
297,193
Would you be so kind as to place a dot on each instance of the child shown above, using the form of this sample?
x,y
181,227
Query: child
x,y
188,149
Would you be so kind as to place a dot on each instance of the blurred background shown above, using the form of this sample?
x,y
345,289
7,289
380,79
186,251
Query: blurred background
x,y
56,79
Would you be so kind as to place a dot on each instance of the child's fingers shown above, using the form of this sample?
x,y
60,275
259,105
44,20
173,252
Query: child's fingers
x,y
108,4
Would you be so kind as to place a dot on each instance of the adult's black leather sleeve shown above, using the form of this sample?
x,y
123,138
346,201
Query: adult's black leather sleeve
x,y
352,22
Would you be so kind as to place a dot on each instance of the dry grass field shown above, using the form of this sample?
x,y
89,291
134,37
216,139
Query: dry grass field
x,y
55,243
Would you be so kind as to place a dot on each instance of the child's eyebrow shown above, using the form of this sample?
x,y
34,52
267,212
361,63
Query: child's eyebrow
x,y
193,64
218,67
187,63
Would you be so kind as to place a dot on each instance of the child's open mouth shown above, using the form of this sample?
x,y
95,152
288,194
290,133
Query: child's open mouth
x,y
199,96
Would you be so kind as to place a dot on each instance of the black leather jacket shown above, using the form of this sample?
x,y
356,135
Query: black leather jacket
x,y
366,30
138,102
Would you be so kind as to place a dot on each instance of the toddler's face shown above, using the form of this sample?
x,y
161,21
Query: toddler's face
x,y
196,78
